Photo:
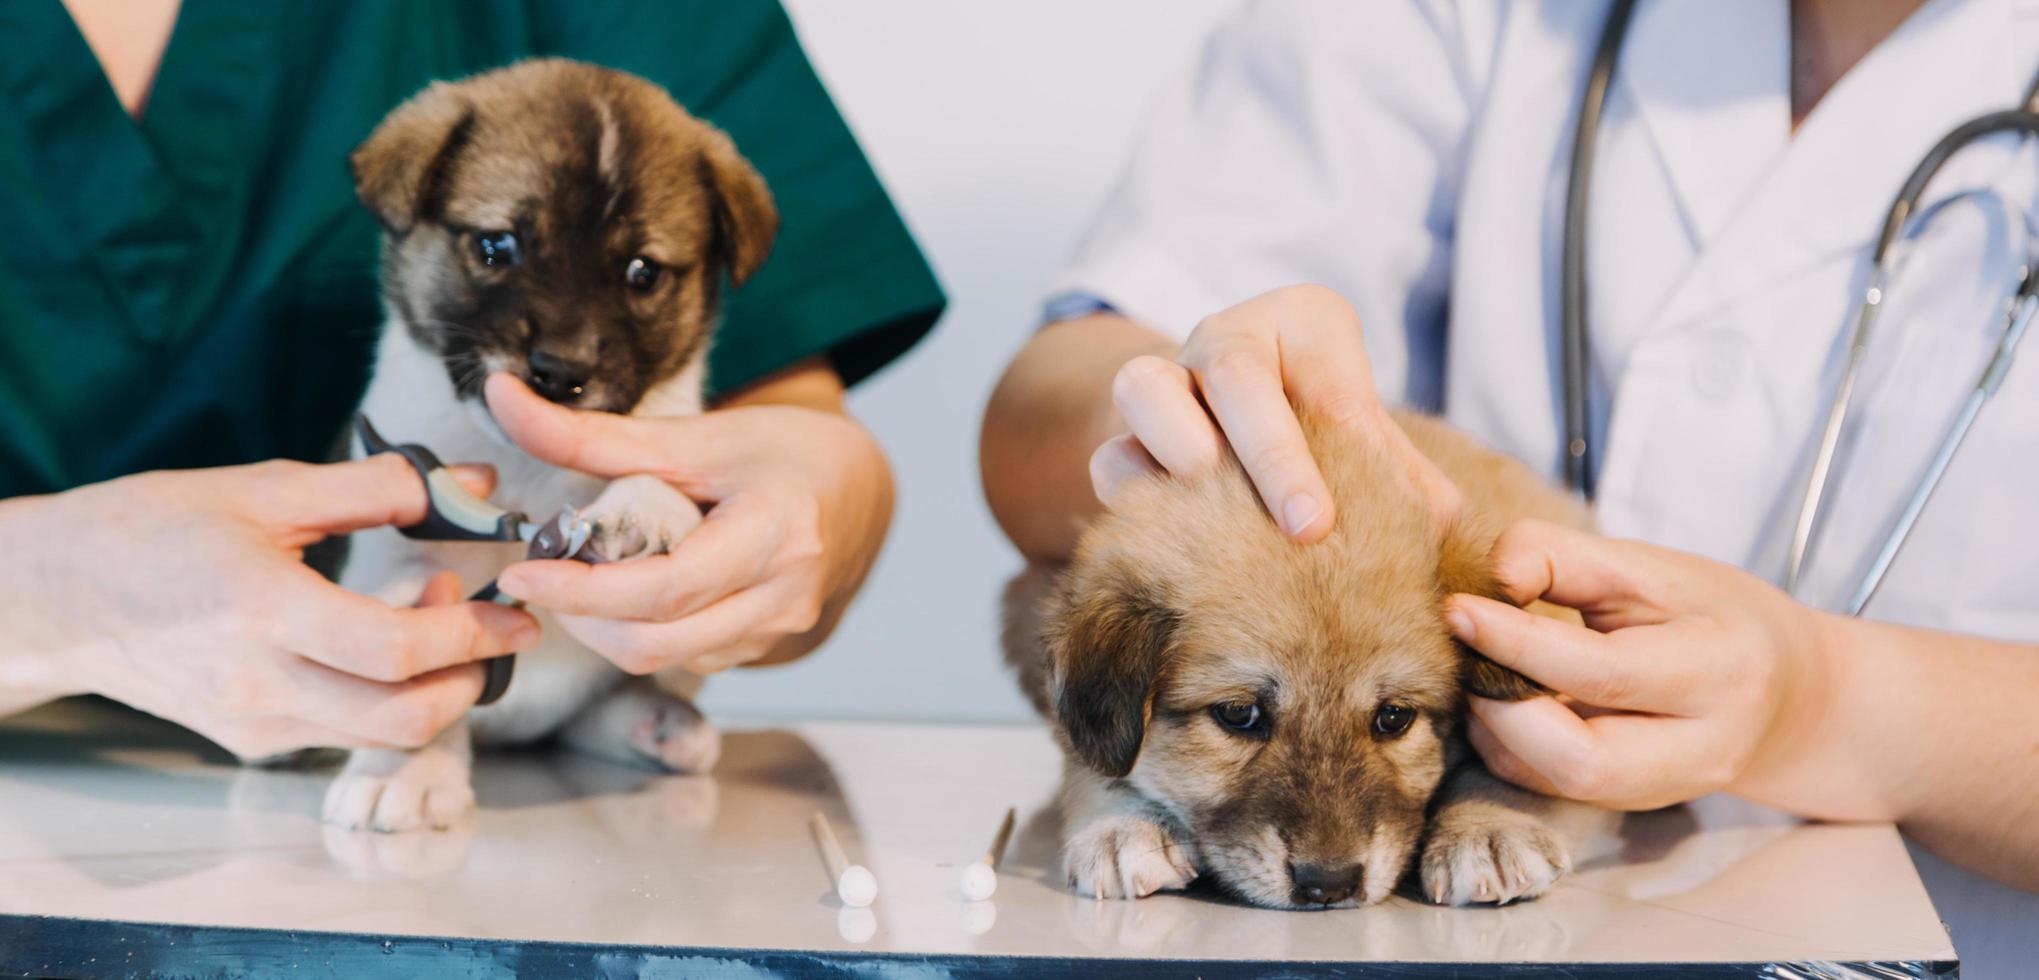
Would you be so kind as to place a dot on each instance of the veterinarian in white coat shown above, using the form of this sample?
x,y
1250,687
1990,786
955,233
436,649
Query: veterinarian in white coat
x,y
1413,157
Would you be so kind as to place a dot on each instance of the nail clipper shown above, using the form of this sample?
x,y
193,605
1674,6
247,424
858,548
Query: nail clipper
x,y
453,514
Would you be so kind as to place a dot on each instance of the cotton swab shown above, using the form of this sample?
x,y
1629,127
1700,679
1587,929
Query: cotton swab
x,y
980,879
854,883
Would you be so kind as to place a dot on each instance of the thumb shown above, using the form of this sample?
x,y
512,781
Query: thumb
x,y
599,443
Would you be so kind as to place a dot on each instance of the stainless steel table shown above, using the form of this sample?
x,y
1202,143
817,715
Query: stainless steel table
x,y
130,848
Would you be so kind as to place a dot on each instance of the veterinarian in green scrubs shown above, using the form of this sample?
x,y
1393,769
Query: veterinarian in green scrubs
x,y
188,284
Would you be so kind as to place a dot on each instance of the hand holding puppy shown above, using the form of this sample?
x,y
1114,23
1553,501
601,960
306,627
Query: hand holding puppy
x,y
1688,677
184,594
797,501
1240,379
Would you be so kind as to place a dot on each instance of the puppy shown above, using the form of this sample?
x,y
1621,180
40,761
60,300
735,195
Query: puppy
x,y
1285,718
570,225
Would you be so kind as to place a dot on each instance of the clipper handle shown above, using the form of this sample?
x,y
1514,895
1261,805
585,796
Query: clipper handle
x,y
497,671
451,513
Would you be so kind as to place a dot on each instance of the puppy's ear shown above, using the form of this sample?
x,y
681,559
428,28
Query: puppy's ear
x,y
746,221
1463,566
1493,681
1107,644
400,170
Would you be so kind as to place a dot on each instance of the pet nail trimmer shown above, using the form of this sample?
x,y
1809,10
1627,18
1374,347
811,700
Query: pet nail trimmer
x,y
453,514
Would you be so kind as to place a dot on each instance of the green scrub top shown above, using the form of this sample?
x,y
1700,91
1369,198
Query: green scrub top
x,y
198,288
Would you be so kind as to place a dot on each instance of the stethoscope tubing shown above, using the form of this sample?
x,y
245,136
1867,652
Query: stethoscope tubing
x,y
1575,348
1895,221
1992,376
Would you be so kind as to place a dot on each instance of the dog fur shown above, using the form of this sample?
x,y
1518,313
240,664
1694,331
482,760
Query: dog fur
x,y
1186,605
596,176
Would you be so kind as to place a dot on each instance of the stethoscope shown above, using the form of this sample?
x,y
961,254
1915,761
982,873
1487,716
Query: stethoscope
x,y
1573,351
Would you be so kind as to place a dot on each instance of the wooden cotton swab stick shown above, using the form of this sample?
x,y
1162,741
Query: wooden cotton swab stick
x,y
980,879
854,883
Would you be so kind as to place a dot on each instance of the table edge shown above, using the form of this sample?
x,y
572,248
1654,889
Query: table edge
x,y
40,945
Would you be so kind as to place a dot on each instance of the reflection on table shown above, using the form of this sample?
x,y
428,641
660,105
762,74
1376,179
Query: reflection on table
x,y
109,815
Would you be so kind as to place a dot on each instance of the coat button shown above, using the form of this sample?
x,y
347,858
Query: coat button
x,y
1719,363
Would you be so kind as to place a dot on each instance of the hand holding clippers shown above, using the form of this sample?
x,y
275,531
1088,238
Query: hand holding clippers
x,y
453,514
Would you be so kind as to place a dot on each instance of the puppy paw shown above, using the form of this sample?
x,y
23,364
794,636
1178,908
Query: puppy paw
x,y
675,736
1491,856
390,792
1125,856
640,515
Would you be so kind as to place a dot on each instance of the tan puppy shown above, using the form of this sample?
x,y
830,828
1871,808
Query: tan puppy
x,y
1286,718
573,226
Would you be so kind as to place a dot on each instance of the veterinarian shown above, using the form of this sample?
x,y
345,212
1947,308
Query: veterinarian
x,y
187,305
1413,159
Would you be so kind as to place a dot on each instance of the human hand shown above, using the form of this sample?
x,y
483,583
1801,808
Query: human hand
x,y
1240,380
1688,677
185,594
798,501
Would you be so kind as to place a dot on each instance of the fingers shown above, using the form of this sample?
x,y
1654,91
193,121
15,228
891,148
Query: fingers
x,y
1157,398
601,443
1326,371
1501,760
476,478
369,714
340,498
337,498
254,739
1595,575
1240,378
1573,659
442,589
363,637
1117,464
327,708
736,630
1625,761
731,549
1254,366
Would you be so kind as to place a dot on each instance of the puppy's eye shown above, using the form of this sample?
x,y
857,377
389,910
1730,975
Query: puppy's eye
x,y
1240,716
642,274
497,249
1390,720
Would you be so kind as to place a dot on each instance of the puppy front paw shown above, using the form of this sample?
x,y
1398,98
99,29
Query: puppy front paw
x,y
640,515
640,723
676,736
1125,856
388,791
1490,855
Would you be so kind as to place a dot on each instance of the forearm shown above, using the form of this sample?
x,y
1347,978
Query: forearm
x,y
813,384
1937,731
31,665
1049,412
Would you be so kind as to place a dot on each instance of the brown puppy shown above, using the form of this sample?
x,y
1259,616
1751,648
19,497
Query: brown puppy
x,y
573,226
563,222
1284,717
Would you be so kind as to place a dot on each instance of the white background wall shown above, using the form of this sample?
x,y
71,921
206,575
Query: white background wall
x,y
998,128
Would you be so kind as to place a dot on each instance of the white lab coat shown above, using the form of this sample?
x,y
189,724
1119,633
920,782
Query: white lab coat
x,y
1412,154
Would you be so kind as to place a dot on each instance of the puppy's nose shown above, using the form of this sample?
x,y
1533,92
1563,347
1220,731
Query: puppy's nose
x,y
559,379
1323,884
